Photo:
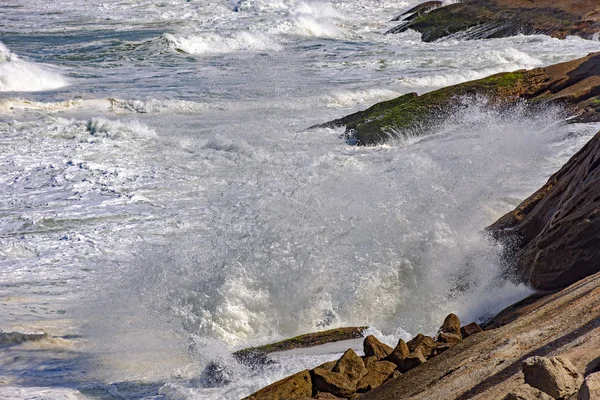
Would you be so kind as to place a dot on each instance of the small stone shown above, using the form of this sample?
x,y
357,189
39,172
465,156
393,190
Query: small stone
x,y
332,382
555,376
470,330
378,373
590,390
411,361
451,325
373,347
423,343
526,392
351,366
399,353
295,386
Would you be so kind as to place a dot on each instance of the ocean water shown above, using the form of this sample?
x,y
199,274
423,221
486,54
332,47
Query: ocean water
x,y
162,203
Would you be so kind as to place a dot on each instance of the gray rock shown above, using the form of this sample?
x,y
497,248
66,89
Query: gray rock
x,y
590,390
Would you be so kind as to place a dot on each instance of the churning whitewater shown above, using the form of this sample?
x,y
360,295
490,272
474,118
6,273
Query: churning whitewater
x,y
164,205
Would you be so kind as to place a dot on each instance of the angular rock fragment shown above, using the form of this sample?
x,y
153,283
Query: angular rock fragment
x,y
422,344
378,373
351,366
411,361
399,353
373,347
470,330
555,376
526,392
332,382
590,390
296,386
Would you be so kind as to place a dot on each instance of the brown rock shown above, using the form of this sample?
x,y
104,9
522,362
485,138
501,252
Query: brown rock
x,y
326,396
373,347
351,366
555,376
411,361
332,382
295,386
556,229
328,365
448,338
590,390
423,344
470,330
378,373
451,325
369,361
394,375
526,392
399,353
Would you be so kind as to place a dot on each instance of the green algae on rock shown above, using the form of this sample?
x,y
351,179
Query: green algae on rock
x,y
482,19
574,84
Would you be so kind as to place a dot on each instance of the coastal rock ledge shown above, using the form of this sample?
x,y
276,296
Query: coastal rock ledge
x,y
482,19
575,85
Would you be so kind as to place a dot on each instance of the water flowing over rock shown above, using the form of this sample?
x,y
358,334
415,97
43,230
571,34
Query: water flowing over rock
x,y
574,85
482,19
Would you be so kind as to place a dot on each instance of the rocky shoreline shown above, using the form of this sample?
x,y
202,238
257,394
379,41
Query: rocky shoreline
x,y
543,347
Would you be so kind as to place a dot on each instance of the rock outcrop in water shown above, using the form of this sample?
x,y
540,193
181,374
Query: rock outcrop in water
x,y
555,233
574,84
481,19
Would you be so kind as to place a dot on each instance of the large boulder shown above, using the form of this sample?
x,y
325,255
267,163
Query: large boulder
x,y
378,373
332,382
555,376
296,386
574,84
422,344
351,366
480,19
553,234
590,390
400,352
373,347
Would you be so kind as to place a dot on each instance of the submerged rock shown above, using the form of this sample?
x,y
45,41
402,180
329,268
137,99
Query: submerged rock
x,y
481,19
555,232
574,84
555,376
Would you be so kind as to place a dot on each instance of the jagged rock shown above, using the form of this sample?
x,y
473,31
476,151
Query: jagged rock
x,y
470,330
574,85
590,390
373,347
556,228
400,352
296,386
451,325
378,373
419,9
481,19
555,376
422,344
526,392
411,361
351,366
12,338
448,338
332,382
369,361
328,365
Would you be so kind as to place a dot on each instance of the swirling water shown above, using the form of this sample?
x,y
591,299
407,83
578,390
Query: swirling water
x,y
163,204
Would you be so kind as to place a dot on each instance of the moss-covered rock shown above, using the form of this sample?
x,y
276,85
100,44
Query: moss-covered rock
x,y
575,84
479,19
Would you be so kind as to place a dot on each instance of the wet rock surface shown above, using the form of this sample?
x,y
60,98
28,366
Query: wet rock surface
x,y
483,19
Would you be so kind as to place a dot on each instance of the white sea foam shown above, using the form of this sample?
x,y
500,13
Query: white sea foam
x,y
212,43
17,75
